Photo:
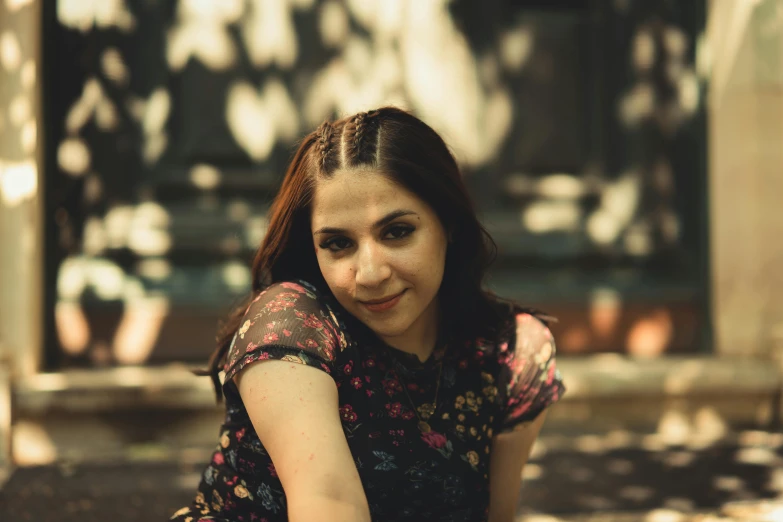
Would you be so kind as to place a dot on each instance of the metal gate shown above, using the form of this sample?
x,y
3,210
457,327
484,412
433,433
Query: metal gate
x,y
579,125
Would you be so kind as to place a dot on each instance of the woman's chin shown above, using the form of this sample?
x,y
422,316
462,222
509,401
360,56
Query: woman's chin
x,y
386,328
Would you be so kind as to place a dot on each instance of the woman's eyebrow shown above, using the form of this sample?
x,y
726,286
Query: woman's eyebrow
x,y
385,220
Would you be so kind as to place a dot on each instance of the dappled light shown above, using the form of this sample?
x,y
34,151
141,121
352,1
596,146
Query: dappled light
x,y
138,330
551,216
258,120
649,336
757,511
114,66
147,230
10,54
531,472
86,14
728,484
618,205
636,493
664,515
32,445
516,46
142,317
590,444
236,275
333,23
651,482
73,157
204,132
620,466
73,330
18,181
269,33
200,33
156,269
142,143
205,177
85,107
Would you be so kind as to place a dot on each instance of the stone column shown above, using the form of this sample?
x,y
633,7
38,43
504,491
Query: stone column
x,y
21,177
745,44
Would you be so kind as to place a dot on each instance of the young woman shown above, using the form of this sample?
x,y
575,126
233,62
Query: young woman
x,y
371,377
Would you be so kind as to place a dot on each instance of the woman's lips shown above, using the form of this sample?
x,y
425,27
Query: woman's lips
x,y
383,306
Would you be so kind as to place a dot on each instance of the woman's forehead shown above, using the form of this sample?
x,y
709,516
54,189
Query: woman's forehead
x,y
359,195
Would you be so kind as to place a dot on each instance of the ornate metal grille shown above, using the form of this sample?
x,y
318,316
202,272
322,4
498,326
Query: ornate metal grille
x,y
168,126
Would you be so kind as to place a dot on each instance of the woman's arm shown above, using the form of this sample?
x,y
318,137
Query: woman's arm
x,y
510,451
294,410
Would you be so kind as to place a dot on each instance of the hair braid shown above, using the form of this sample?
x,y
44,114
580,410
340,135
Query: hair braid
x,y
365,128
325,133
358,133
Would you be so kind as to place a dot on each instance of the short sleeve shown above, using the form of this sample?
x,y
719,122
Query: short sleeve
x,y
289,322
529,377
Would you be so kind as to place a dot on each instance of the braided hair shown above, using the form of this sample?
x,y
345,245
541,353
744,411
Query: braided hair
x,y
361,138
326,153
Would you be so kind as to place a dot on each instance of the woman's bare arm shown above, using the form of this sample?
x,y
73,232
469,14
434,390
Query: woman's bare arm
x,y
510,451
294,410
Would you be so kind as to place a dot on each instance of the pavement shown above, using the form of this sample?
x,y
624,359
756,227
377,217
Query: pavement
x,y
580,478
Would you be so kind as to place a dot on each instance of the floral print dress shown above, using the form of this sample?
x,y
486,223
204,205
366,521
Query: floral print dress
x,y
442,475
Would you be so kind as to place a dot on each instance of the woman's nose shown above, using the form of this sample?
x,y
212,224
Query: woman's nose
x,y
372,267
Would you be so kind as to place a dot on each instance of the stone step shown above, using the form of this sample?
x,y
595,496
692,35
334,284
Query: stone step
x,y
739,481
685,394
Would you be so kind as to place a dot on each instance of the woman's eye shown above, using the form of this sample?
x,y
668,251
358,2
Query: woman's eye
x,y
399,231
336,244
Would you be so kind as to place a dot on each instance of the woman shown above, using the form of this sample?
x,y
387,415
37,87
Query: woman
x,y
371,377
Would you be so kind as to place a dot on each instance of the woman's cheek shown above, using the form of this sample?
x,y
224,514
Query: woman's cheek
x,y
341,276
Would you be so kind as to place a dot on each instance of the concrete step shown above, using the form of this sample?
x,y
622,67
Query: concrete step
x,y
604,392
566,480
659,441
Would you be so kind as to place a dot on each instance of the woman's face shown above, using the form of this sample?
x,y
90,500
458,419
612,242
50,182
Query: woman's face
x,y
382,252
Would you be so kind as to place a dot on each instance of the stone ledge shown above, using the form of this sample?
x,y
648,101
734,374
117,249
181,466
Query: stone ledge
x,y
612,376
109,389
682,396
588,379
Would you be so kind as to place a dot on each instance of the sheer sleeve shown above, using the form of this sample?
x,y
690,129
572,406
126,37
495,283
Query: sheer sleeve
x,y
530,380
289,322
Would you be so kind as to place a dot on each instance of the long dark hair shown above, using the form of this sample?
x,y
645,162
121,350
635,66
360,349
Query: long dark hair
x,y
402,147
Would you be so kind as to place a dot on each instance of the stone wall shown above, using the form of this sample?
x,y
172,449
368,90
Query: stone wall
x,y
21,178
745,61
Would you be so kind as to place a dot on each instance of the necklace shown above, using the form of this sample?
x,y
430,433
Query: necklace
x,y
426,410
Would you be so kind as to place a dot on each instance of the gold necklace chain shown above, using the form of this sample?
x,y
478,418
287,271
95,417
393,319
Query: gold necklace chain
x,y
427,409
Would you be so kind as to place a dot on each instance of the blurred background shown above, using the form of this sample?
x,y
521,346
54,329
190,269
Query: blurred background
x,y
626,155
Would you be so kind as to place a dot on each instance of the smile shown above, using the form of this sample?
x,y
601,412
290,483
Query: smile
x,y
384,304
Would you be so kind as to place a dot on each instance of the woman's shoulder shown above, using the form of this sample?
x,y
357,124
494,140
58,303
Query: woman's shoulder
x,y
531,330
290,296
518,329
292,306
289,320
296,287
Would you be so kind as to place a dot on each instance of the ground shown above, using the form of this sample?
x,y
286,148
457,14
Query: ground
x,y
576,478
